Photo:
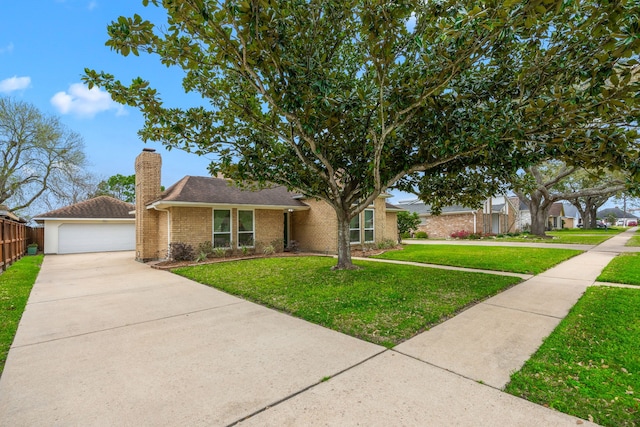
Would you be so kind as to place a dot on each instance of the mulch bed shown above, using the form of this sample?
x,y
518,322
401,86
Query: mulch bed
x,y
168,265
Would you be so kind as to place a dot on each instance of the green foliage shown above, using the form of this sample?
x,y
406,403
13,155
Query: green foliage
x,y
407,222
15,287
421,235
384,303
588,367
120,187
499,258
342,100
625,268
386,244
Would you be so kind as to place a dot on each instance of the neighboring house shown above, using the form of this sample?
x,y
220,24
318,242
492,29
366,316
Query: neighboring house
x,y
554,222
556,215
101,224
196,210
622,217
498,215
572,218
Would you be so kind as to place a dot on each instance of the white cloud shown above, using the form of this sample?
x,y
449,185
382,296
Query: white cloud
x,y
14,83
85,102
6,49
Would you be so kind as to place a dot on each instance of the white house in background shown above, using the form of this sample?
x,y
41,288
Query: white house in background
x,y
572,217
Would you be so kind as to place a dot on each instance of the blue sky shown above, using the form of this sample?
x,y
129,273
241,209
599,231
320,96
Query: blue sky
x,y
45,45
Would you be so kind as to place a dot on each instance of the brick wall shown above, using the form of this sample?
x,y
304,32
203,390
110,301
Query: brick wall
x,y
191,225
147,168
269,228
316,229
441,226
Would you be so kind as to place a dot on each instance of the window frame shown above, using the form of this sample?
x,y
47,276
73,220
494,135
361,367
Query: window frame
x,y
228,233
352,229
252,231
372,229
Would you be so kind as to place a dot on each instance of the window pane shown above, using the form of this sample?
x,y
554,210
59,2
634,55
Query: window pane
x,y
222,240
368,218
368,235
245,239
355,222
245,220
355,236
221,221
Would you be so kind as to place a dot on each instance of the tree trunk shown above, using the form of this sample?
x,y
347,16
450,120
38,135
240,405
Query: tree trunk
x,y
344,245
539,218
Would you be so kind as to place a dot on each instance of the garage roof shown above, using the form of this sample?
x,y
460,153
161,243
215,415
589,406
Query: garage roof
x,y
98,207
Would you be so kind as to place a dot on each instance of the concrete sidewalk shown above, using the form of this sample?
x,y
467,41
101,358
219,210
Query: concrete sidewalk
x,y
108,341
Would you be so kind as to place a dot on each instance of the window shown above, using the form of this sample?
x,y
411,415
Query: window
x,y
368,226
354,229
245,228
221,228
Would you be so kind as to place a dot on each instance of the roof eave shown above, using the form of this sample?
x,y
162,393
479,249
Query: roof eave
x,y
175,204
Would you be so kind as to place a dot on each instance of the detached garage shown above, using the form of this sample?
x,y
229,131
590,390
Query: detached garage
x,y
101,224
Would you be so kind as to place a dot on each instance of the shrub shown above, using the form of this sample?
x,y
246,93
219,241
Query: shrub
x,y
475,236
405,235
219,252
205,248
421,235
462,234
386,244
278,245
181,251
293,246
268,250
245,250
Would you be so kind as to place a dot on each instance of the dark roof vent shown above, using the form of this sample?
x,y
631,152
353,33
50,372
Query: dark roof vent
x,y
149,150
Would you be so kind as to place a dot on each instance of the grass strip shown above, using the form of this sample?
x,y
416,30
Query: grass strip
x,y
499,258
589,366
625,268
15,286
634,241
380,303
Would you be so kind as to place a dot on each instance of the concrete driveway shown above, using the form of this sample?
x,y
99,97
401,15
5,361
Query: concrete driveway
x,y
108,341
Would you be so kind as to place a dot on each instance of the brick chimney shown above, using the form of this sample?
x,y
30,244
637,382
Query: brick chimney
x,y
148,168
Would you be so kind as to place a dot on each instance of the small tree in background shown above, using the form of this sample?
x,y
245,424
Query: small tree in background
x,y
407,222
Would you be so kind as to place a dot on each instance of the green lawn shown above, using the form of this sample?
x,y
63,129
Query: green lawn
x,y
500,258
634,241
625,268
589,366
15,286
561,237
381,303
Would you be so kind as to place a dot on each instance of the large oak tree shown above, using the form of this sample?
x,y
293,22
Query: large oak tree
x,y
344,99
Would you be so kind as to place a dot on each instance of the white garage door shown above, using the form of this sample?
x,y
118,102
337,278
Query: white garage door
x,y
76,238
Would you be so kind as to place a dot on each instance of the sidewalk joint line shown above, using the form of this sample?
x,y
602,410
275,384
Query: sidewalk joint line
x,y
305,389
521,310
480,382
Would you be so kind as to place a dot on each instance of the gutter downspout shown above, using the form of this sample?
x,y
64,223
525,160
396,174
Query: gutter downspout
x,y
475,222
168,227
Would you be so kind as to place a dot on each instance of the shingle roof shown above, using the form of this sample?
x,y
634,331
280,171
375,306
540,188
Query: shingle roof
x,y
98,207
556,209
617,212
200,189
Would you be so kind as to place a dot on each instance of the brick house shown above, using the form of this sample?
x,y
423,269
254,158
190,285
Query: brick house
x,y
196,210
497,216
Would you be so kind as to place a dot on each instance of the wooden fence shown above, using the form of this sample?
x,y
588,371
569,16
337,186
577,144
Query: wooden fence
x,y
13,242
